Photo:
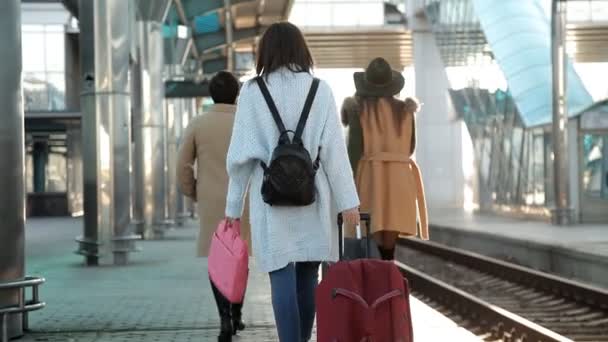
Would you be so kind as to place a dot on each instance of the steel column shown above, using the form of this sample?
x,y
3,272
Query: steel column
x,y
229,27
150,127
12,196
563,213
149,121
172,111
136,97
74,176
105,103
184,117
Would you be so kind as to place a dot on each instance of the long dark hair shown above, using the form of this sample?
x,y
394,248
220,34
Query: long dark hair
x,y
283,45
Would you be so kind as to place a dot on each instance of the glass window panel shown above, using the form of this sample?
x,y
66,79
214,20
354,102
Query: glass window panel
x,y
299,15
578,11
518,135
35,91
29,173
342,14
322,14
54,28
56,89
369,14
599,10
529,194
56,173
539,169
549,185
595,166
523,182
32,28
33,51
55,53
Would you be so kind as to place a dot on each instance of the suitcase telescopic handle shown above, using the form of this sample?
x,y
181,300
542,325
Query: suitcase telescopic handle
x,y
365,217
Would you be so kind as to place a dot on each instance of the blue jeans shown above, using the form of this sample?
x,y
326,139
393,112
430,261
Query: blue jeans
x,y
293,300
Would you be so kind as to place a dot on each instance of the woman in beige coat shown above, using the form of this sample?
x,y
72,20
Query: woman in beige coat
x,y
388,180
206,143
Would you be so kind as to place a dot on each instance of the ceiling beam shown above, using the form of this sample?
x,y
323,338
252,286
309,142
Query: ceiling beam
x,y
209,41
179,6
193,8
70,5
186,89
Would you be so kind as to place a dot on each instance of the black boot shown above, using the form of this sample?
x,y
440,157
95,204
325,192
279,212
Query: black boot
x,y
237,318
225,331
223,307
387,254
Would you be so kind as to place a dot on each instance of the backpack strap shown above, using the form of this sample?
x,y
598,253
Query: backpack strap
x,y
306,111
271,105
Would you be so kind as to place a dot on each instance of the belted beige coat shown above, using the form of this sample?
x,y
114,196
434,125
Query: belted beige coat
x,y
389,182
206,143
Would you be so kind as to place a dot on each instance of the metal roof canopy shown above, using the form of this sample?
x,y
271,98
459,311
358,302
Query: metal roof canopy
x,y
250,18
356,47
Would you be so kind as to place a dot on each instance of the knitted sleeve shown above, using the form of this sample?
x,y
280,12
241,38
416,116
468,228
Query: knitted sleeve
x,y
240,161
334,160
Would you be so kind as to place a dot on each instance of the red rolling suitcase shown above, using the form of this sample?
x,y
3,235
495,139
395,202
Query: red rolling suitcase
x,y
363,301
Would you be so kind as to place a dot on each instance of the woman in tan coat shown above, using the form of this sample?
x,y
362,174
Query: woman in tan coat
x,y
206,143
388,180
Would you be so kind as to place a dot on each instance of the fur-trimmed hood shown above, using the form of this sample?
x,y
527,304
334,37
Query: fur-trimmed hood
x,y
412,105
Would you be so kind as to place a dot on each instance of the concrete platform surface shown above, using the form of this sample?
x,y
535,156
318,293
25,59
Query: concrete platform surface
x,y
579,251
162,295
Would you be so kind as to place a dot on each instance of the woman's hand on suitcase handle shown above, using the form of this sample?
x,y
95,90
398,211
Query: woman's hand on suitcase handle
x,y
351,217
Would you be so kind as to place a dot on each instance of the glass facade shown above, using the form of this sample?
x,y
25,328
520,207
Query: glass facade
x,y
512,160
588,11
458,32
43,53
513,150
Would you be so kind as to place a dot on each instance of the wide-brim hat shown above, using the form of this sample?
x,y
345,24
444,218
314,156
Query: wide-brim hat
x,y
378,80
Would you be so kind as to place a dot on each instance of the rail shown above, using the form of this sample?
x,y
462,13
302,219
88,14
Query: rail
x,y
567,288
511,302
502,324
24,306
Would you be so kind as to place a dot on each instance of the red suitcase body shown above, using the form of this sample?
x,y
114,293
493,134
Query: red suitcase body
x,y
363,301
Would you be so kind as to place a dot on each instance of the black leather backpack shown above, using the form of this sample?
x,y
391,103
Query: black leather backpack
x,y
289,179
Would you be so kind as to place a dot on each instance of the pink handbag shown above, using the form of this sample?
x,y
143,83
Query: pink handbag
x,y
228,261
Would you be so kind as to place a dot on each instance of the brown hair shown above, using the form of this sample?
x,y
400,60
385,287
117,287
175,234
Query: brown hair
x,y
283,45
400,110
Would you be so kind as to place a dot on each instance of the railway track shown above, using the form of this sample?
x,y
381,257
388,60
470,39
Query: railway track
x,y
500,301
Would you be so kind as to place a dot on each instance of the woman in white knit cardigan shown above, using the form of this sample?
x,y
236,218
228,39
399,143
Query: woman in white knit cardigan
x,y
290,242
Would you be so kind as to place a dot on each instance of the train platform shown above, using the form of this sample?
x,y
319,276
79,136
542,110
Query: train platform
x,y
163,294
578,252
